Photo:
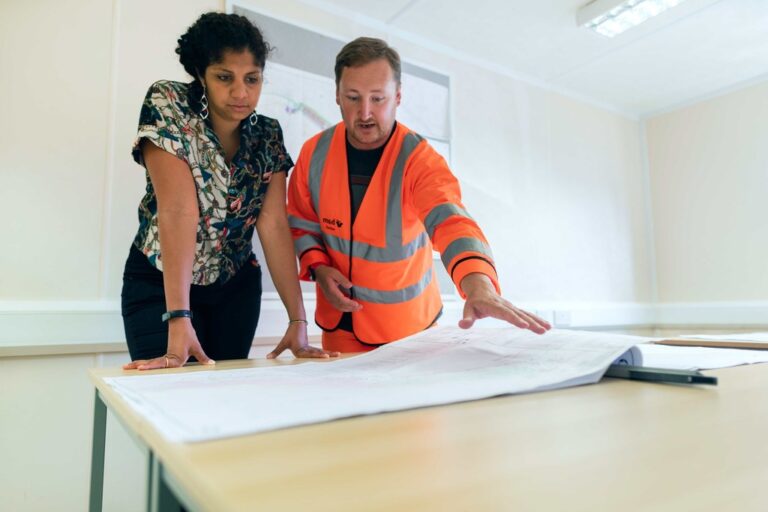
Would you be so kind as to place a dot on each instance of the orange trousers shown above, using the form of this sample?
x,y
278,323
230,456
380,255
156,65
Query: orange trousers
x,y
344,341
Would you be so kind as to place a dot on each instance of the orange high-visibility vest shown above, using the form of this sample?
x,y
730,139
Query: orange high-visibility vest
x,y
412,203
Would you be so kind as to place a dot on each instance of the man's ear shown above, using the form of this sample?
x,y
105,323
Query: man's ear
x,y
338,101
398,96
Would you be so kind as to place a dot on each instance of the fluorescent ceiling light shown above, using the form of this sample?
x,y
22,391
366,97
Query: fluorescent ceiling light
x,y
612,17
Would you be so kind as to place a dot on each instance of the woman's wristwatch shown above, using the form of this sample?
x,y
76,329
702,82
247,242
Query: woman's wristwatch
x,y
176,313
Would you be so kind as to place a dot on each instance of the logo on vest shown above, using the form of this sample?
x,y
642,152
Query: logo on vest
x,y
332,224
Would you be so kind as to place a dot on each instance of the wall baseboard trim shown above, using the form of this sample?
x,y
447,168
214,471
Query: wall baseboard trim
x,y
573,315
37,324
67,323
713,314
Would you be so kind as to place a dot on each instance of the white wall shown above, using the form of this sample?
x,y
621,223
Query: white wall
x,y
557,184
53,143
709,177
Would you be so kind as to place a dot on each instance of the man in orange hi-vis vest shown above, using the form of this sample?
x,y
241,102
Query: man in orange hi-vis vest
x,y
367,202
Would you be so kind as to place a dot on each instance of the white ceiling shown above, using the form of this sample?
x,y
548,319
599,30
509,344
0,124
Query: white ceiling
x,y
698,49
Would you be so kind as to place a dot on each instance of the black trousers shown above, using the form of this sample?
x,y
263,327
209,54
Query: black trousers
x,y
224,315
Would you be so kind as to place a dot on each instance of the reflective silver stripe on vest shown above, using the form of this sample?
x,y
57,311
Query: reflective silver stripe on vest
x,y
463,245
394,200
316,164
377,254
337,244
440,213
396,296
306,225
306,242
394,250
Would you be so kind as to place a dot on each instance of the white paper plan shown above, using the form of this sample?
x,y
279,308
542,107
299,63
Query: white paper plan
x,y
698,358
438,366
749,336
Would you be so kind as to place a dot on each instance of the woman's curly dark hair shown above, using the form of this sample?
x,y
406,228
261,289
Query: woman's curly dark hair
x,y
214,33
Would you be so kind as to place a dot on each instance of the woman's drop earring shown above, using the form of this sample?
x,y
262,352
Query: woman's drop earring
x,y
204,112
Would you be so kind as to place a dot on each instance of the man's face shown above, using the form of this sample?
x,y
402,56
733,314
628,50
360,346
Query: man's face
x,y
368,96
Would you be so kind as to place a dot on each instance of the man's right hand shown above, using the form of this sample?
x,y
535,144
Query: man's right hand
x,y
331,282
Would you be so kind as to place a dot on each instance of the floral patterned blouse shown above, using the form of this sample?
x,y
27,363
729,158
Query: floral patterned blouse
x,y
230,197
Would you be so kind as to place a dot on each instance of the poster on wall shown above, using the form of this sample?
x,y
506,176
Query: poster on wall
x,y
305,104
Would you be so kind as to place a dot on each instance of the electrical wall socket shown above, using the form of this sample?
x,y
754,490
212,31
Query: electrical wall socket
x,y
562,318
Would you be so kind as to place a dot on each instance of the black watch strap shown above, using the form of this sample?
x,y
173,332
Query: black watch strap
x,y
176,313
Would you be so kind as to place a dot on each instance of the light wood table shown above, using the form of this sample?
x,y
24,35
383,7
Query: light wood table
x,y
618,445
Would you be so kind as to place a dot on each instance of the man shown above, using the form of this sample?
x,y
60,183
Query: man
x,y
365,199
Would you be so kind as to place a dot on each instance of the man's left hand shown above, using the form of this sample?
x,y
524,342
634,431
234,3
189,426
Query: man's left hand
x,y
483,301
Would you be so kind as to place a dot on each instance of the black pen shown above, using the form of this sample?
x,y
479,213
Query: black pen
x,y
622,371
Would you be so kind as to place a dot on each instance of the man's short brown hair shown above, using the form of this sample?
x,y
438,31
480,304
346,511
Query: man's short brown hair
x,y
364,50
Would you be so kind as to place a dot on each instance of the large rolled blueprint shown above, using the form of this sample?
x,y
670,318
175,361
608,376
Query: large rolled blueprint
x,y
438,366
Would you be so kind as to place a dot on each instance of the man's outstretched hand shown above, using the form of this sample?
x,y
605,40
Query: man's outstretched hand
x,y
483,301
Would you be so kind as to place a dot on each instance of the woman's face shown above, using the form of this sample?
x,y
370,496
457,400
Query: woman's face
x,y
233,86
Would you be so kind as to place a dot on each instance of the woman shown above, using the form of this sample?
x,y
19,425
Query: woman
x,y
215,169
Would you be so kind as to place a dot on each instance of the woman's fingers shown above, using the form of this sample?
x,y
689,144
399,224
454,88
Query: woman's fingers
x,y
313,352
307,351
168,360
134,364
200,355
279,349
156,363
148,364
